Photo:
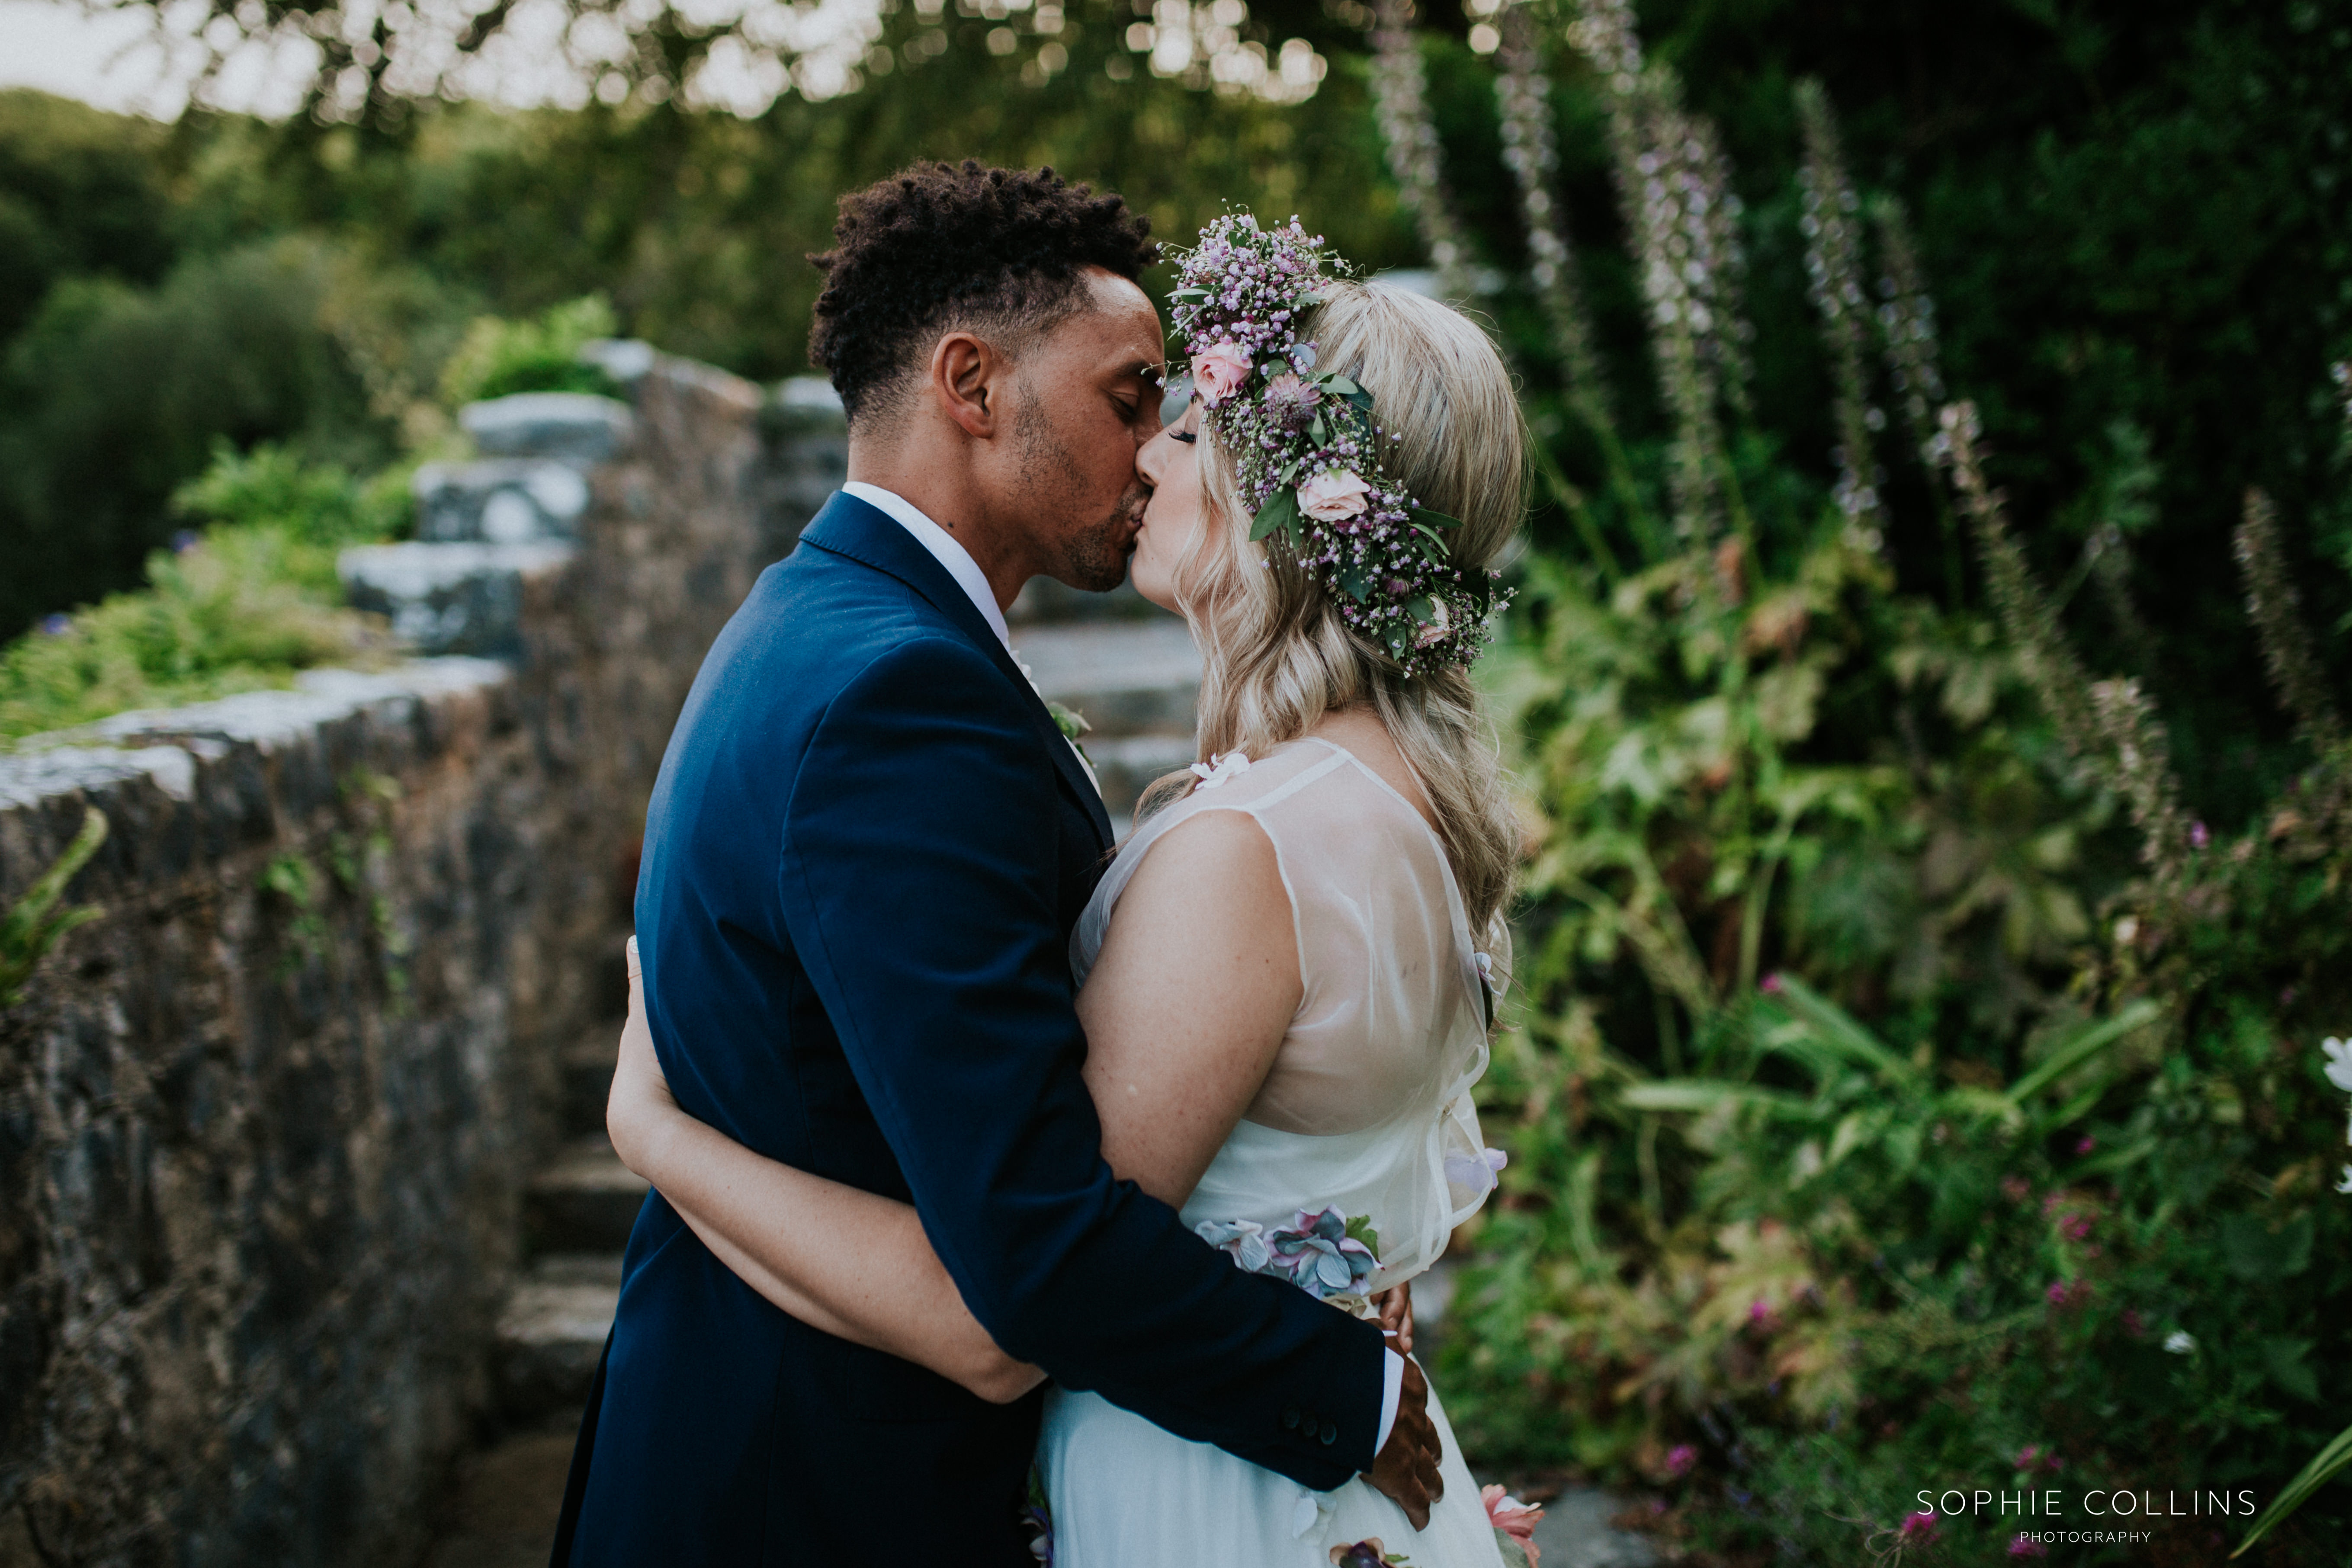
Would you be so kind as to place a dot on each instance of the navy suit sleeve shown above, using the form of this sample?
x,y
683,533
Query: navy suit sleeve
x,y
918,886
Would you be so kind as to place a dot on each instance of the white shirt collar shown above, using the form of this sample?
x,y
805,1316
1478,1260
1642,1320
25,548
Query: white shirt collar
x,y
943,548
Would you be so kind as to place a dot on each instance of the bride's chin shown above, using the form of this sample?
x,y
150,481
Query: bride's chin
x,y
1151,580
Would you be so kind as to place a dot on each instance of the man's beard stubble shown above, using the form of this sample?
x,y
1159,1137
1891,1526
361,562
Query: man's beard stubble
x,y
1092,557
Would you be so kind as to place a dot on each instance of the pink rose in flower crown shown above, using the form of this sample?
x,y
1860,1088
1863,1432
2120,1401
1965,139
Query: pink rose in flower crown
x,y
1514,1519
1334,496
1219,372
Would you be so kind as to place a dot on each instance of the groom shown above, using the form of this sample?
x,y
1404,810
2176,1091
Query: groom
x,y
863,860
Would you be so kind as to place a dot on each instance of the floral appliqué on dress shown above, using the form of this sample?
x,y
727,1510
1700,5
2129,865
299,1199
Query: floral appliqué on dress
x,y
1322,1252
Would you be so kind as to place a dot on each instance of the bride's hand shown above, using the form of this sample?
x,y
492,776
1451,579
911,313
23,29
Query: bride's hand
x,y
640,1106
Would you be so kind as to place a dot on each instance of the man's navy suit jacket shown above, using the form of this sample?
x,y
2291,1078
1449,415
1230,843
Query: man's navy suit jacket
x,y
864,857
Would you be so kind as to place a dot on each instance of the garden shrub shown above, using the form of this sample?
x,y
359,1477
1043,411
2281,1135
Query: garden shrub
x,y
241,606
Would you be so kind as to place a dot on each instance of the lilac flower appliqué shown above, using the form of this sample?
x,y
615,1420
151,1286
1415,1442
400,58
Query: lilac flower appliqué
x,y
1243,1240
1320,1256
1322,1252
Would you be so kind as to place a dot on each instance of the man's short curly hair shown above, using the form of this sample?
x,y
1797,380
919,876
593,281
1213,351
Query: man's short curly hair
x,y
940,246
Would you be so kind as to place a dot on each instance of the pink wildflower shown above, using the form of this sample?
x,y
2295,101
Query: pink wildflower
x,y
2029,1455
1514,1519
2086,1146
1919,1527
2198,835
1680,1459
2056,1293
2016,1189
2026,1546
1770,985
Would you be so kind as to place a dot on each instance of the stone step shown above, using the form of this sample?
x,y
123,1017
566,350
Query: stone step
x,y
503,500
551,1332
1125,677
583,1200
450,598
576,427
586,1068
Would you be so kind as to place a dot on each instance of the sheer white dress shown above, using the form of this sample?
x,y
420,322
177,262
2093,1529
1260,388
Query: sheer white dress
x,y
1367,1111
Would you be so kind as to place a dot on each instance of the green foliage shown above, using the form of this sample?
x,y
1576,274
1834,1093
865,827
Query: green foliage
x,y
245,607
116,396
497,357
2325,1466
34,923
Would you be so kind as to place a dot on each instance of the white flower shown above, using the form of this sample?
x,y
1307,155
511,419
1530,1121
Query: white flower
x,y
1495,981
2180,1343
2339,1063
1227,766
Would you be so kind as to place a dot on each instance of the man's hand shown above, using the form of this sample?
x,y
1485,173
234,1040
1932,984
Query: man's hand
x,y
1396,1307
1406,1469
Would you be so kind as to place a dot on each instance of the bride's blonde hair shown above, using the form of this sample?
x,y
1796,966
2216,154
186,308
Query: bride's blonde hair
x,y
1277,654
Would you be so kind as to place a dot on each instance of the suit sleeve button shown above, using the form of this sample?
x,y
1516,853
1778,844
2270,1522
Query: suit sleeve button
x,y
1330,1434
1290,1417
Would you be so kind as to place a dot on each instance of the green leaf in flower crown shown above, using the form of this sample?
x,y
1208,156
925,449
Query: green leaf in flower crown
x,y
1358,585
1428,517
1333,382
1421,609
1318,432
1280,512
1190,294
1360,398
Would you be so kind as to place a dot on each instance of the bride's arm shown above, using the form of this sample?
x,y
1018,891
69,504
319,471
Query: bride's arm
x,y
1187,1003
852,1263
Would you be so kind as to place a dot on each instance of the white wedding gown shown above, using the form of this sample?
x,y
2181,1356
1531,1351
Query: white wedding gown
x,y
1366,1111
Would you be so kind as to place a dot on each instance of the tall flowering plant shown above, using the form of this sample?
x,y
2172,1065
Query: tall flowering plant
x,y
1308,450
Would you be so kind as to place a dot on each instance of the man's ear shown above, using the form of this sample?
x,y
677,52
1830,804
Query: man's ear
x,y
967,375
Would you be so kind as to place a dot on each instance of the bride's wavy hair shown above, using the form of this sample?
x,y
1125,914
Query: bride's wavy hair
x,y
1277,654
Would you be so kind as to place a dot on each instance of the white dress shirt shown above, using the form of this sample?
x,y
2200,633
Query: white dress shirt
x,y
951,554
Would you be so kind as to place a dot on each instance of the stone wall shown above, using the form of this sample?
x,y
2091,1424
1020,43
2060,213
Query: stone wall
x,y
264,1126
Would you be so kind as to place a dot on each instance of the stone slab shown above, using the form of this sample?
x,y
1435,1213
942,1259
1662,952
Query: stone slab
x,y
578,427
506,500
585,1200
450,598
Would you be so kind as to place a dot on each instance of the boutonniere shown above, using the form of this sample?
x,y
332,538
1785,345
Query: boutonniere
x,y
1072,724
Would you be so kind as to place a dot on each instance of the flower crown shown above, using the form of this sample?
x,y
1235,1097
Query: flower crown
x,y
1308,452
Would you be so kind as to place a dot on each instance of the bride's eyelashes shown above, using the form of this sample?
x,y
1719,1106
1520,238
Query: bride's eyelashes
x,y
1186,437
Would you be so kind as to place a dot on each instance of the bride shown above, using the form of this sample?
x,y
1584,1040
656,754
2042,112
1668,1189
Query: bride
x,y
1288,973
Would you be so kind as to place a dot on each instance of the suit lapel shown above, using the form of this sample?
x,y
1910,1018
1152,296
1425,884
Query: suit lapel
x,y
847,527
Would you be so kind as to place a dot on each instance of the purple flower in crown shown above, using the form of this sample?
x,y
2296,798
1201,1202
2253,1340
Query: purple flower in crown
x,y
1321,1256
1242,1240
1290,403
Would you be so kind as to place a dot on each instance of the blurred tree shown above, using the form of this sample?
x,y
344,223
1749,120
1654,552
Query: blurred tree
x,y
79,195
